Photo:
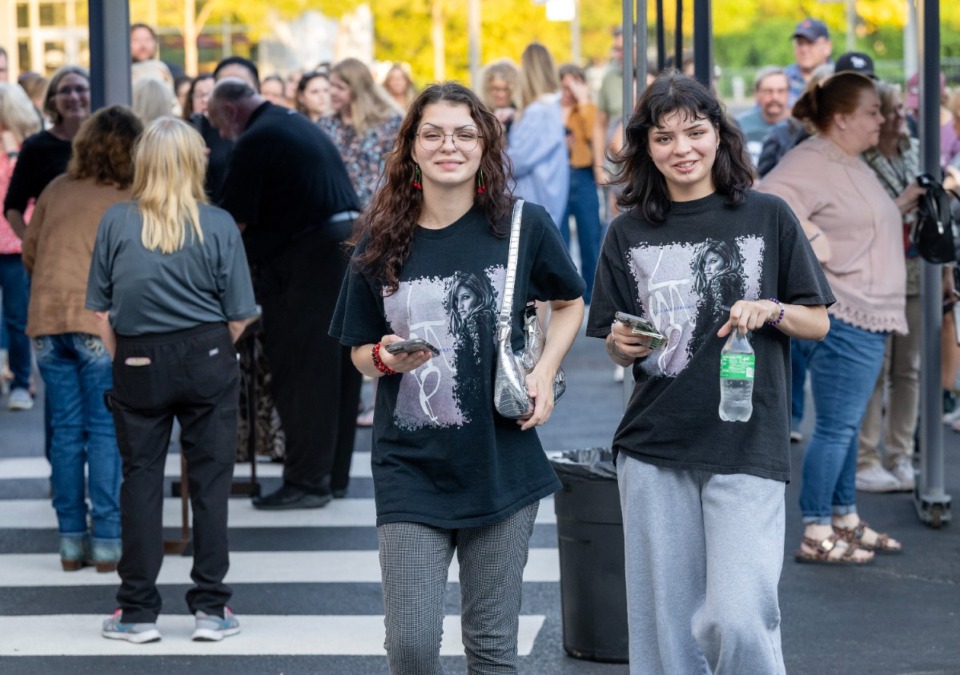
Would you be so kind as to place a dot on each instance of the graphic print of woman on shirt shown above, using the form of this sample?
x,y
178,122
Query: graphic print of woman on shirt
x,y
718,279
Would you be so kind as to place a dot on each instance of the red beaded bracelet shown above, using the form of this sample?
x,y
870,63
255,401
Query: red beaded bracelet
x,y
779,318
378,362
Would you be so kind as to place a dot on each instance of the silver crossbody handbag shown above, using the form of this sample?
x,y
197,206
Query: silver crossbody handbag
x,y
510,386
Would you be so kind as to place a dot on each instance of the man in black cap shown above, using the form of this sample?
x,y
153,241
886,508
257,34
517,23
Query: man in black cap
x,y
855,62
811,49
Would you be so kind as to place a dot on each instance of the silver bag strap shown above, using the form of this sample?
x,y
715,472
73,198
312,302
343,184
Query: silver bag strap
x,y
506,307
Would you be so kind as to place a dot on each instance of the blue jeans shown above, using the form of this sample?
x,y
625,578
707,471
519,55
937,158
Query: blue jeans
x,y
16,293
584,205
76,369
799,358
843,371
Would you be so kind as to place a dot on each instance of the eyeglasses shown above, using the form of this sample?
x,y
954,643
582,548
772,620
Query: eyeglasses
x,y
464,140
78,90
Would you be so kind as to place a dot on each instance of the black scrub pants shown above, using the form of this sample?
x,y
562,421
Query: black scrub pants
x,y
316,387
192,375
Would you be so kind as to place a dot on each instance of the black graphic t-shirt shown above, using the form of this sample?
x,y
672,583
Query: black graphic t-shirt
x,y
441,454
679,275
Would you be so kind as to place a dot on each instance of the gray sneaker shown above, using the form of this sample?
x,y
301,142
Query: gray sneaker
x,y
131,632
211,628
20,399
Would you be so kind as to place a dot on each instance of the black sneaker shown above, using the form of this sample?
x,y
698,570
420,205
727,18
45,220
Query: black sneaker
x,y
291,497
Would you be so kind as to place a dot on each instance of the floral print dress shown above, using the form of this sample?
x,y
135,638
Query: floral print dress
x,y
363,155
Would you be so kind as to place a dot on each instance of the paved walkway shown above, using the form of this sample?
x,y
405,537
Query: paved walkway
x,y
307,587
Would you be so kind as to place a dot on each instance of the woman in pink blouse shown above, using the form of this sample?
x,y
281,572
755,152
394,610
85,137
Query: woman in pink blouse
x,y
855,229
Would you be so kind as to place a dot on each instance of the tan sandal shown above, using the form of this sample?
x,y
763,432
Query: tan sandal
x,y
854,536
822,550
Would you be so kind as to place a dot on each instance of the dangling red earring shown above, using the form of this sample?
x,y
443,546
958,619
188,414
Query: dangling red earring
x,y
481,184
417,185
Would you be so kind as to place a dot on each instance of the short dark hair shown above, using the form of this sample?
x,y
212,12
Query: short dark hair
x,y
644,186
239,61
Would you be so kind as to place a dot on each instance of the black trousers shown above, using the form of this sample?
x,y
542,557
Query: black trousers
x,y
191,375
315,385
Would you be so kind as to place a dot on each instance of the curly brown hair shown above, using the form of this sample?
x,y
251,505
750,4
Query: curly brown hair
x,y
388,226
103,148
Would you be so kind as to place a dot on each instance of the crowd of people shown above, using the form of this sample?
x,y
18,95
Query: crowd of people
x,y
138,244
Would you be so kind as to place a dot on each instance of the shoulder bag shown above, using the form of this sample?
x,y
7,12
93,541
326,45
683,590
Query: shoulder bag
x,y
510,386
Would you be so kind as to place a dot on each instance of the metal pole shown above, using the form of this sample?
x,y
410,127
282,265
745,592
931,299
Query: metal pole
x,y
575,51
661,39
109,53
930,500
678,39
473,29
641,48
851,25
703,43
910,48
629,52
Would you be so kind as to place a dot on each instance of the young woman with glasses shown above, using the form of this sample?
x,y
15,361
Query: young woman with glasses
x,y
450,475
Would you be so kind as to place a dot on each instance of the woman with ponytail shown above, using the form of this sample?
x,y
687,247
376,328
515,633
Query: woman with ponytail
x,y
855,228
170,285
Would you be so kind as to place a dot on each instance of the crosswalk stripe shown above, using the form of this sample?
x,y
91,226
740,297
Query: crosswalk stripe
x,y
21,468
39,514
319,635
248,567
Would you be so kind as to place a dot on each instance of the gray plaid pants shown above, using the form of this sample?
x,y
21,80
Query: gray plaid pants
x,y
414,563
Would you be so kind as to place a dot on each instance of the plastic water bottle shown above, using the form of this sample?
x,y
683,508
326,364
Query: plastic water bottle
x,y
736,379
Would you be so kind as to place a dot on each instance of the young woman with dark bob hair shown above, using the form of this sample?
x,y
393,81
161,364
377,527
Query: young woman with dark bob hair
x,y
702,499
450,475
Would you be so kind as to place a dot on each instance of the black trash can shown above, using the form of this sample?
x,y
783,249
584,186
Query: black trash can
x,y
593,592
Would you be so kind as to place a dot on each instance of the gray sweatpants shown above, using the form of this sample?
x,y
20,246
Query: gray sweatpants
x,y
414,562
704,553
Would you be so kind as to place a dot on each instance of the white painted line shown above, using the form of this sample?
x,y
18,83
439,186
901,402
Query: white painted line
x,y
323,635
262,567
39,514
38,467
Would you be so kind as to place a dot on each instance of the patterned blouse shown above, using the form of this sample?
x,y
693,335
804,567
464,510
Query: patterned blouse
x,y
363,155
9,242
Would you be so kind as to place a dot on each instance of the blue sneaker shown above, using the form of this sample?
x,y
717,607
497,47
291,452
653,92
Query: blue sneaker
x,y
211,628
131,632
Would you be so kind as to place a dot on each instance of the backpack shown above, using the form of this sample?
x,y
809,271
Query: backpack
x,y
933,233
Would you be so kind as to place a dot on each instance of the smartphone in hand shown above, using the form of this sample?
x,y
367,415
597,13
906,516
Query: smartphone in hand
x,y
412,345
643,328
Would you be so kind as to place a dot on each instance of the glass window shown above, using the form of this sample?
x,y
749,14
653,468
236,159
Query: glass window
x,y
53,14
23,16
23,50
54,55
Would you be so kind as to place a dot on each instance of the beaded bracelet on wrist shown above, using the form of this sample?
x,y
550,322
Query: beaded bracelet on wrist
x,y
378,362
779,318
